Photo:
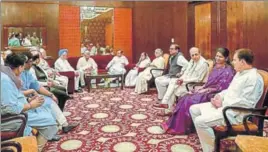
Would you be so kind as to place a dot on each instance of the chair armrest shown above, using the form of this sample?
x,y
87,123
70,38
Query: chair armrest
x,y
260,124
9,117
228,124
194,84
151,71
69,74
6,146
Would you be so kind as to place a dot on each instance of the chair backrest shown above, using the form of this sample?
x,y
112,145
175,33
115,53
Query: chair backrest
x,y
264,99
210,67
166,57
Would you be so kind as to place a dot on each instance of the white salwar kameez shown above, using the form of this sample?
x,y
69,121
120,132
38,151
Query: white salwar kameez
x,y
82,66
117,65
63,65
132,75
195,72
51,74
144,76
162,82
245,90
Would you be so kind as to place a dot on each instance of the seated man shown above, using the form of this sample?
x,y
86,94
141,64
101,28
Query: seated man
x,y
31,87
13,102
195,72
62,65
50,72
53,85
117,64
86,65
245,90
177,65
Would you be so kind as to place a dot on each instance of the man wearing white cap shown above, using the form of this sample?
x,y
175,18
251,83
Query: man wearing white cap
x,y
62,65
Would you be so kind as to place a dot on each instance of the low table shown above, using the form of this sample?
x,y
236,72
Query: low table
x,y
103,76
248,143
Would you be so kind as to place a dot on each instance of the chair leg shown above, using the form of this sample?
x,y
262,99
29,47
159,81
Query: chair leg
x,y
217,145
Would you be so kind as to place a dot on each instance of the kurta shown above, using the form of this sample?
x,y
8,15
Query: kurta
x,y
63,65
144,76
132,75
29,82
51,73
11,96
245,90
117,65
180,122
2,60
82,66
35,41
14,42
195,72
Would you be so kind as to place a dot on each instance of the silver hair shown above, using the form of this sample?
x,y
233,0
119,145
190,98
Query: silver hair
x,y
34,49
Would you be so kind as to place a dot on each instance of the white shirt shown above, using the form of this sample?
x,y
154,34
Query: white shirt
x,y
181,61
196,71
2,60
144,63
118,62
83,64
63,65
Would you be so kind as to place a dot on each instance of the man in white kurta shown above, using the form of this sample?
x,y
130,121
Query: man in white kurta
x,y
195,72
117,64
144,76
245,90
86,65
51,73
177,66
62,65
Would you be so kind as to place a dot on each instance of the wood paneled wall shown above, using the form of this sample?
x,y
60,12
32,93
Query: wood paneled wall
x,y
247,23
203,28
155,23
31,14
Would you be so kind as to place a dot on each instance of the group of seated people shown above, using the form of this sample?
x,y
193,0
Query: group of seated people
x,y
200,109
16,39
96,50
226,84
21,92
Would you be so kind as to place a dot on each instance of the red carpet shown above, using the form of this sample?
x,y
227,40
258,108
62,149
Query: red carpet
x,y
119,120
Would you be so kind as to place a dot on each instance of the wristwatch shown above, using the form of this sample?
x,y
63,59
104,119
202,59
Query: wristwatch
x,y
51,94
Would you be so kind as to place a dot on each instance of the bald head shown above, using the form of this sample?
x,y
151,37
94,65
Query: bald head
x,y
195,54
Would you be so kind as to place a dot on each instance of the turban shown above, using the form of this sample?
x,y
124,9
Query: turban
x,y
62,51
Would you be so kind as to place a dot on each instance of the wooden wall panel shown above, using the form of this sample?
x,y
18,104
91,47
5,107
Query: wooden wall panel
x,y
123,31
109,34
247,24
155,23
34,14
203,28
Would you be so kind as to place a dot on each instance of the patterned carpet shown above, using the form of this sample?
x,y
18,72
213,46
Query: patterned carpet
x,y
119,120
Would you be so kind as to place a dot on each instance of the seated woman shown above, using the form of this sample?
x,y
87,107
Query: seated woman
x,y
131,77
219,79
144,76
39,117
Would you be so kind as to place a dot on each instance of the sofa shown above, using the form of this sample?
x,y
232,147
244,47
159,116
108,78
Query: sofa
x,y
101,60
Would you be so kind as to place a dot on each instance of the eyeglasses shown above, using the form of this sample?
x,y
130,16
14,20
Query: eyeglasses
x,y
194,54
29,61
172,48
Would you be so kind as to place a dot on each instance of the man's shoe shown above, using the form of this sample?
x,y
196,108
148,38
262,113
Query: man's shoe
x,y
69,127
55,138
165,106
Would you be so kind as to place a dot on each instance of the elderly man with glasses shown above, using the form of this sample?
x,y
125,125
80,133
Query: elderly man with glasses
x,y
196,71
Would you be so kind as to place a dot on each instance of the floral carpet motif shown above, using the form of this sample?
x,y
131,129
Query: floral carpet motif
x,y
120,120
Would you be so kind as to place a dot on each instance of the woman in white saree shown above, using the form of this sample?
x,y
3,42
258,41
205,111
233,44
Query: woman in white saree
x,y
143,77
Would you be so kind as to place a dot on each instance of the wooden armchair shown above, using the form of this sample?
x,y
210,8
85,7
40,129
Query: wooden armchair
x,y
5,135
11,146
252,123
165,71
